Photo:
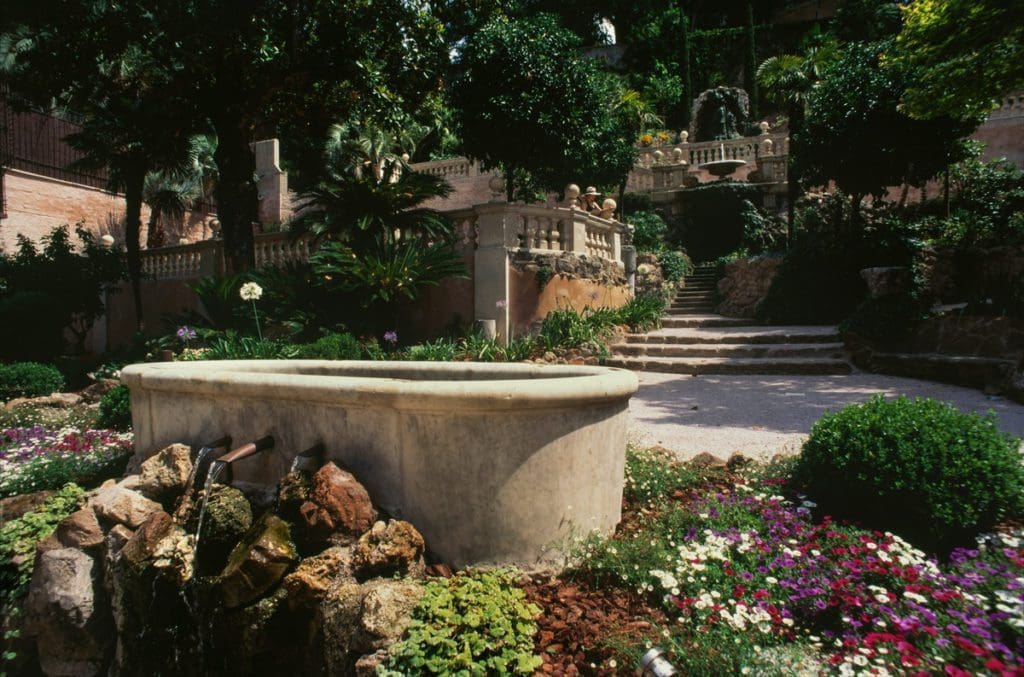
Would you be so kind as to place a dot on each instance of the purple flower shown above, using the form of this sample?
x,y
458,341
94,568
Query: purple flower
x,y
391,337
186,333
501,304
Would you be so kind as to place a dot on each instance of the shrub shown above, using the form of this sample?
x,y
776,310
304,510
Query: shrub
x,y
919,468
474,623
29,379
248,348
885,319
441,350
675,265
115,409
342,346
649,231
565,328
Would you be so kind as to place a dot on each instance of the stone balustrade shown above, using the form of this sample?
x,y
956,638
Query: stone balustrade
x,y
744,148
533,227
1011,105
449,169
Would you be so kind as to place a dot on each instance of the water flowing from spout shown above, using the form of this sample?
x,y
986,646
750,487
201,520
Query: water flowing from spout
x,y
216,468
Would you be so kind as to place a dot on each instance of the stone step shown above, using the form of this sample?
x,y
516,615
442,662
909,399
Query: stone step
x,y
694,309
695,294
744,334
733,350
979,372
724,365
709,320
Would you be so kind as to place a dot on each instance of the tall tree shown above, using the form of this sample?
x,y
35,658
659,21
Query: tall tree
x,y
789,80
967,53
528,103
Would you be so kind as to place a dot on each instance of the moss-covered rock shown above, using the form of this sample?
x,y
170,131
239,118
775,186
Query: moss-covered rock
x,y
228,517
258,562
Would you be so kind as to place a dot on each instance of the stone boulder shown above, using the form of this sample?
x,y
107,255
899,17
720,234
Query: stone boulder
x,y
161,546
309,583
227,518
69,614
13,507
364,618
886,280
258,563
164,476
745,285
122,506
338,505
54,401
80,530
387,549
92,394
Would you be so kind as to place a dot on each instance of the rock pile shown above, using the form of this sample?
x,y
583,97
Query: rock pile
x,y
309,587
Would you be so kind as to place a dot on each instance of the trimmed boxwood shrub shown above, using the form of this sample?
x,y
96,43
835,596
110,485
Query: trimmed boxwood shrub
x,y
29,379
342,346
115,409
922,469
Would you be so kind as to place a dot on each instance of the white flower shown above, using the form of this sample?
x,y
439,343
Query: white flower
x,y
250,291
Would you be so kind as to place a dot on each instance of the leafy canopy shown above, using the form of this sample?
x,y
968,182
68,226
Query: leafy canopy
x,y
967,53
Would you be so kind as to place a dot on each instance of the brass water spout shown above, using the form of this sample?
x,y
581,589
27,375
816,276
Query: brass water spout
x,y
246,450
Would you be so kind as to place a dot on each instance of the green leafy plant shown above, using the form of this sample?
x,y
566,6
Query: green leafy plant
x,y
247,348
649,231
116,409
675,265
642,313
543,276
334,346
920,468
566,328
441,350
19,537
29,379
476,623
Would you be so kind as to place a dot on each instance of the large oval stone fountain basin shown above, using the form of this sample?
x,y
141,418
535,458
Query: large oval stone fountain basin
x,y
491,462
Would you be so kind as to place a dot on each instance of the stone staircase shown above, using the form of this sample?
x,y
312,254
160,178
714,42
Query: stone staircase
x,y
695,341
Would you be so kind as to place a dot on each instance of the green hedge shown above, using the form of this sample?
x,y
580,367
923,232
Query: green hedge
x,y
29,379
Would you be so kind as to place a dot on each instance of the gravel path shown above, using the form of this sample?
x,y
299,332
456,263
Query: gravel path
x,y
761,416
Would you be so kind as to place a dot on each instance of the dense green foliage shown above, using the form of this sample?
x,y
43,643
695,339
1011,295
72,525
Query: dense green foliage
x,y
473,623
920,468
334,346
28,379
713,218
675,264
45,292
19,537
855,134
526,101
649,231
966,53
116,409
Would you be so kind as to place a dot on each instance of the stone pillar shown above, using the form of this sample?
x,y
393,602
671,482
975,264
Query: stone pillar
x,y
273,183
210,258
578,233
498,230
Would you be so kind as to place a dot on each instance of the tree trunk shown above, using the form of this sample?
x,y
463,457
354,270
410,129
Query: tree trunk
x,y
750,68
510,183
796,121
135,178
237,198
154,233
684,66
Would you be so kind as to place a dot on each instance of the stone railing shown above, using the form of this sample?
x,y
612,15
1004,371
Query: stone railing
x,y
455,168
534,227
744,148
1011,106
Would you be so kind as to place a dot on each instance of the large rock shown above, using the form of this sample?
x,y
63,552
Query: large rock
x,y
361,619
164,475
886,280
394,548
338,504
227,518
80,530
162,546
13,507
95,392
122,506
745,285
69,614
258,563
308,584
54,401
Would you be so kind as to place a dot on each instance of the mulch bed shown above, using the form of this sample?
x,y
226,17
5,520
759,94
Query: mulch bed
x,y
580,626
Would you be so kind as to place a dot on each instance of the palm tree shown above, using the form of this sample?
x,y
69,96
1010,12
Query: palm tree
x,y
789,80
171,192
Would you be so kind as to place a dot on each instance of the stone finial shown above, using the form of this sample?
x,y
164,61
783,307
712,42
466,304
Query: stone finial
x,y
182,240
767,146
107,241
497,185
683,136
658,156
608,208
677,155
764,126
405,157
214,228
572,194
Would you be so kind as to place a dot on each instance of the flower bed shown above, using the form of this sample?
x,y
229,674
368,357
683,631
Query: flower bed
x,y
753,582
36,458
